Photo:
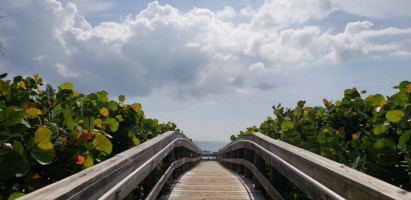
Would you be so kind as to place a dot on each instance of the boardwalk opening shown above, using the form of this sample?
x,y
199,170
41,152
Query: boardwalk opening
x,y
210,180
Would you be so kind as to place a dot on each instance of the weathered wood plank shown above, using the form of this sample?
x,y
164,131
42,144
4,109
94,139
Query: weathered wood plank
x,y
160,184
347,182
209,180
97,180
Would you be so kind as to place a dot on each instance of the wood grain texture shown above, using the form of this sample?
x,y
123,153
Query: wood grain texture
x,y
209,180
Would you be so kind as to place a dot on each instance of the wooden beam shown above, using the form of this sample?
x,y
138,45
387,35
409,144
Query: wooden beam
x,y
344,181
95,181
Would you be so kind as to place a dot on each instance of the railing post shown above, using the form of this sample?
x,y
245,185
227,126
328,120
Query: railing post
x,y
260,164
249,157
277,179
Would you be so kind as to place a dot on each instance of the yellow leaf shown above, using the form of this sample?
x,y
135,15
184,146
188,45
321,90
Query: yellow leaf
x,y
66,86
88,162
75,94
354,136
42,138
32,113
136,106
102,143
36,77
21,84
136,141
325,101
287,118
383,103
4,88
104,112
98,123
325,130
80,121
408,88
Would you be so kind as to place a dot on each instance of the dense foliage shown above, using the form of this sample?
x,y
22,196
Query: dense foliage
x,y
372,135
48,135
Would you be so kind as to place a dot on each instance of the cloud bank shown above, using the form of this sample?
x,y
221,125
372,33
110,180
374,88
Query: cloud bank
x,y
189,54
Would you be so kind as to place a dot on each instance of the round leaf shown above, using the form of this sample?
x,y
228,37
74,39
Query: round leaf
x,y
66,86
12,164
42,156
42,138
32,113
286,125
136,141
385,143
121,98
15,195
102,143
380,129
136,106
394,115
104,112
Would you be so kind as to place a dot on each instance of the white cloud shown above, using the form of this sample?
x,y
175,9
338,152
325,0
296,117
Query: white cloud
x,y
64,72
259,66
195,53
227,13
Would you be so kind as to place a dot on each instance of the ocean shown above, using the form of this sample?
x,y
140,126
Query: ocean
x,y
212,146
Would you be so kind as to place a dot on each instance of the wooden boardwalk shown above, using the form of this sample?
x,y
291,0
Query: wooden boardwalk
x,y
210,180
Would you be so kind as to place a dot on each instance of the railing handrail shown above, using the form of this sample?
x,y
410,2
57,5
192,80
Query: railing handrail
x,y
95,181
342,180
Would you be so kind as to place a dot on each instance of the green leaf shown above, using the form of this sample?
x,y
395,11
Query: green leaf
x,y
112,105
42,138
404,140
385,143
12,116
4,75
15,195
380,129
12,164
66,86
42,156
102,143
68,120
18,147
88,162
377,99
394,115
113,123
121,98
119,118
286,125
136,141
4,88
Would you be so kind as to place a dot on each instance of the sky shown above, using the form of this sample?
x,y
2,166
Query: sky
x,y
213,67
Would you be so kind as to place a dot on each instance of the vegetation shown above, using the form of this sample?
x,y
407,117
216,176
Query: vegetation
x,y
372,135
47,135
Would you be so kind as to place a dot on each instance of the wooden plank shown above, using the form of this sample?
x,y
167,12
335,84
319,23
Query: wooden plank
x,y
209,180
160,184
347,182
97,180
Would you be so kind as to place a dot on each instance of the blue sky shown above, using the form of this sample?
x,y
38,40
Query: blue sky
x,y
214,67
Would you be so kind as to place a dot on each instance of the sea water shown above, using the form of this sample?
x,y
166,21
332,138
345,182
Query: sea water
x,y
211,146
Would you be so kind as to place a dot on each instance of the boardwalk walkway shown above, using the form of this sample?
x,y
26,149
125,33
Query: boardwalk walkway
x,y
209,180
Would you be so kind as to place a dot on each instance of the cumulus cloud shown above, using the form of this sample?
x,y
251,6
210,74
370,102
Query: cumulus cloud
x,y
189,54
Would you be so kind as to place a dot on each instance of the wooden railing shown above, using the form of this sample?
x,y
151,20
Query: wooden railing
x,y
271,162
116,177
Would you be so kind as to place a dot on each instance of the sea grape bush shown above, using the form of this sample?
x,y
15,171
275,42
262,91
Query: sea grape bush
x,y
47,135
372,135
